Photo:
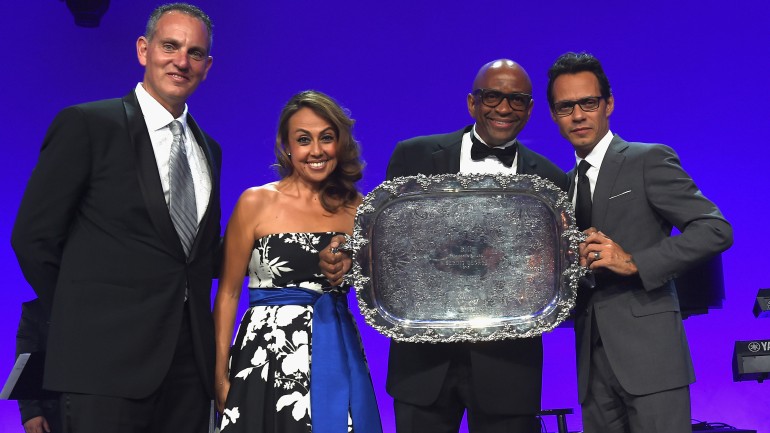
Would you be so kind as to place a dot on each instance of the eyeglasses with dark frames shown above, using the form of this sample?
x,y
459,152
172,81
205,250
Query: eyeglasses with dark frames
x,y
492,98
565,108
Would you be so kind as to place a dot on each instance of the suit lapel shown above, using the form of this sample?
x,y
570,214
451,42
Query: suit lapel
x,y
571,178
608,174
447,159
214,177
147,174
524,163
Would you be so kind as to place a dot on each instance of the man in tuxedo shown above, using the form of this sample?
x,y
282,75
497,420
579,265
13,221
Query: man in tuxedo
x,y
634,366
117,233
498,383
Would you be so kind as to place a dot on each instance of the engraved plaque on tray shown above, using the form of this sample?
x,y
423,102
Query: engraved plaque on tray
x,y
465,257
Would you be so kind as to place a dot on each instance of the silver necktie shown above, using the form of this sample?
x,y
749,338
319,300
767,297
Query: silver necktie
x,y
181,202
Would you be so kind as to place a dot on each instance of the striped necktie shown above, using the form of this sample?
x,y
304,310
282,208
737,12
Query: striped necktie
x,y
181,202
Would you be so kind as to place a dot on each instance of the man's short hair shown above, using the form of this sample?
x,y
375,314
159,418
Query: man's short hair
x,y
573,63
185,8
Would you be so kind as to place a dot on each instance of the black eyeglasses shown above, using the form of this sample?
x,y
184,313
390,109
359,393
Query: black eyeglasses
x,y
565,108
493,98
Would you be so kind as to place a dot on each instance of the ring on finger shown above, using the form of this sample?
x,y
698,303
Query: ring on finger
x,y
597,255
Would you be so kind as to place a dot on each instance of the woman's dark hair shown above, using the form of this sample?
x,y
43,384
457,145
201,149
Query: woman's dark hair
x,y
339,188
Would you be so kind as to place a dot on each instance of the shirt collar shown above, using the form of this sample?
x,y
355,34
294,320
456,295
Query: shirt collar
x,y
155,116
596,156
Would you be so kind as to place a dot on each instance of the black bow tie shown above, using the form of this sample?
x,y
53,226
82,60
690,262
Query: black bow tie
x,y
480,151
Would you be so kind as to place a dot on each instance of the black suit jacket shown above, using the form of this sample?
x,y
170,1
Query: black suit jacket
x,y
94,239
640,194
506,375
31,336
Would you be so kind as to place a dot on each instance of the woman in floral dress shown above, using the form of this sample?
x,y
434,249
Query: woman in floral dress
x,y
266,382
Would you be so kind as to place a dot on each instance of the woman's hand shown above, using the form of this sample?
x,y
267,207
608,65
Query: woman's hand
x,y
221,388
334,263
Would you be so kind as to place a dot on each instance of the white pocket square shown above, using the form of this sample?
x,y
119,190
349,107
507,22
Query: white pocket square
x,y
618,195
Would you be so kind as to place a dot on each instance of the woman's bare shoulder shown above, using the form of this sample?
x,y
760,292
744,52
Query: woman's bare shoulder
x,y
259,193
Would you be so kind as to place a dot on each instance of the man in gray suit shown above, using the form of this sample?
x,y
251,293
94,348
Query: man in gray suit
x,y
634,365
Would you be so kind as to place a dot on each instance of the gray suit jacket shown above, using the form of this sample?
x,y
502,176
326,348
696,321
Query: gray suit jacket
x,y
641,193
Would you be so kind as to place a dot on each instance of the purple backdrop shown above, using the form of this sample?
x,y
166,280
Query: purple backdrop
x,y
688,74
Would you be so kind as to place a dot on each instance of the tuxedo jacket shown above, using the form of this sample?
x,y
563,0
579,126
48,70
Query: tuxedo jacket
x,y
94,239
506,375
641,193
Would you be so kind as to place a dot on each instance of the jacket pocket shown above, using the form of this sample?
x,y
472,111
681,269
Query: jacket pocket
x,y
654,302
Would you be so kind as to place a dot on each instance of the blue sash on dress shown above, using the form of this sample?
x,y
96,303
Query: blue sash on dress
x,y
339,378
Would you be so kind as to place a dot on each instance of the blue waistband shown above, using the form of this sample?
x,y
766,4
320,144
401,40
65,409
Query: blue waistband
x,y
339,377
283,296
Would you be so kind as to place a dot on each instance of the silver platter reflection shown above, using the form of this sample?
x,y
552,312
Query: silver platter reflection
x,y
465,257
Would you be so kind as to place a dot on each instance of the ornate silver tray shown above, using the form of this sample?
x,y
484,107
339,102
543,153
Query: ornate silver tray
x,y
464,257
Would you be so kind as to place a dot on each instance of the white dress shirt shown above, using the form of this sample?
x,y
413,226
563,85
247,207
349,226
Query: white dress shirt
x,y
488,165
157,120
594,158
